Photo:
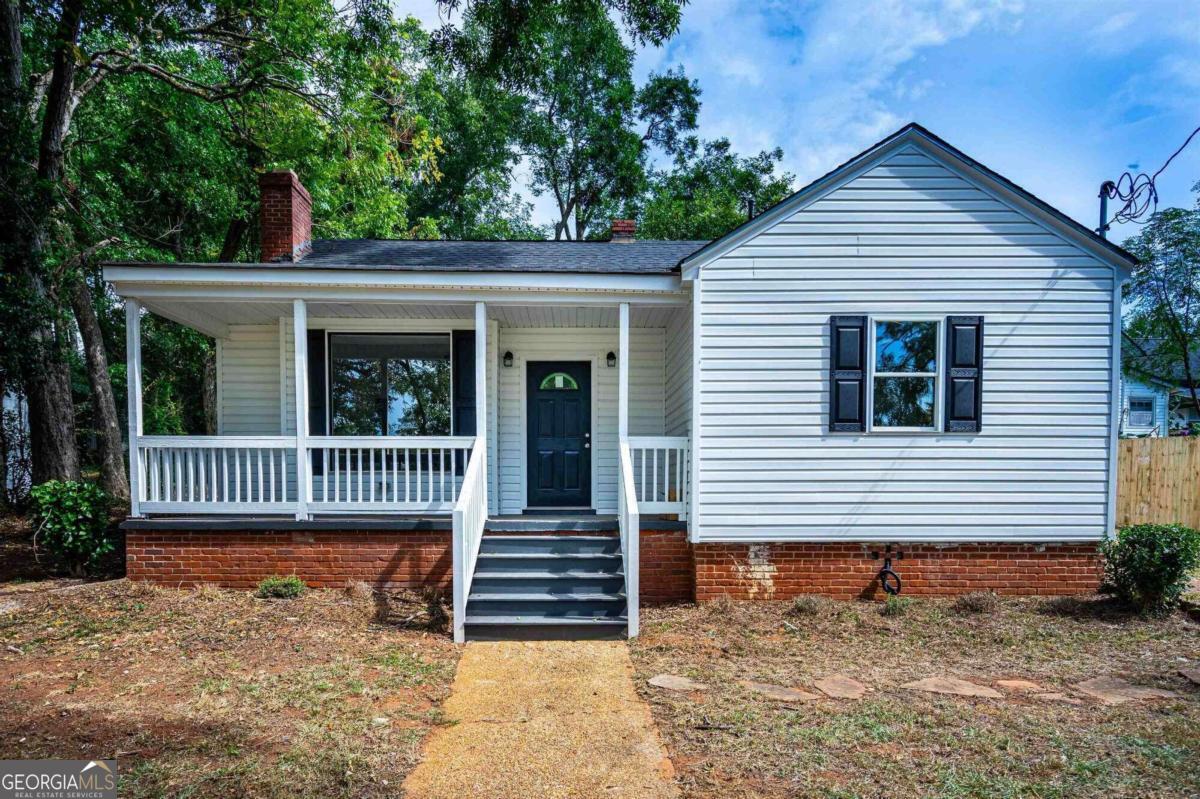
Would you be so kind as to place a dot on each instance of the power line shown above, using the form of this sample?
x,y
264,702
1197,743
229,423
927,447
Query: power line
x,y
1138,193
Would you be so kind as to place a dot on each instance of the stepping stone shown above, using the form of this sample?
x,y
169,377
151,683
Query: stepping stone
x,y
1114,691
780,693
673,682
1055,696
1192,675
952,685
1020,686
839,686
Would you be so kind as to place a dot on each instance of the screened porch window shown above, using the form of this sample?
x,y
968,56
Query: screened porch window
x,y
389,384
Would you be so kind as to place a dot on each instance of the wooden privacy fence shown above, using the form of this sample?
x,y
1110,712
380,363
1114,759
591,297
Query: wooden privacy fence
x,y
1158,481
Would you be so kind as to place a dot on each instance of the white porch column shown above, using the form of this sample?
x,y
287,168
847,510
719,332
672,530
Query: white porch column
x,y
300,348
481,370
623,376
133,361
481,397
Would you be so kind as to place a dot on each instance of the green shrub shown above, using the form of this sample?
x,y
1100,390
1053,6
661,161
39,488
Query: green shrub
x,y
275,587
977,602
895,605
1148,565
71,520
807,605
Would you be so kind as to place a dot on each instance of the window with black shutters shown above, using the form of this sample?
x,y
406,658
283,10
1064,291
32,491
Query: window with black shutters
x,y
905,374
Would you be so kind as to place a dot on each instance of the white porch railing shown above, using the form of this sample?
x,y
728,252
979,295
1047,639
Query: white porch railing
x,y
470,518
217,474
387,473
629,522
257,474
661,473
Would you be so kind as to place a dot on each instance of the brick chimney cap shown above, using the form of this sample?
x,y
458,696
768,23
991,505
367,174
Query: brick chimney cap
x,y
277,178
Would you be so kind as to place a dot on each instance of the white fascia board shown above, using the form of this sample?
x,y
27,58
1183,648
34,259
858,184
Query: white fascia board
x,y
316,282
869,159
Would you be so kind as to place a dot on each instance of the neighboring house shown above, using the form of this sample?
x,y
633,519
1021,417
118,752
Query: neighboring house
x,y
910,353
1154,405
1145,407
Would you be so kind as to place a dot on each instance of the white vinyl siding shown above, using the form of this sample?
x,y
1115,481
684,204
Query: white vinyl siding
x,y
679,373
248,381
908,237
646,400
1134,389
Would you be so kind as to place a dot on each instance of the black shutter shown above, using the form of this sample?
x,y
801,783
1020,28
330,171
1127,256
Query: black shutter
x,y
318,394
462,380
847,374
964,375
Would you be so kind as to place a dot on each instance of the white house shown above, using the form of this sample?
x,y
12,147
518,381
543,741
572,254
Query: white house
x,y
911,355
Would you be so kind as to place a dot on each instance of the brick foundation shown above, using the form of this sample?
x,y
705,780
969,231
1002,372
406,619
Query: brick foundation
x,y
783,571
672,570
385,560
667,570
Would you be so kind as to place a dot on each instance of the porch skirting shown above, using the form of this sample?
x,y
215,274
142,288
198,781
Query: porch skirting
x,y
672,570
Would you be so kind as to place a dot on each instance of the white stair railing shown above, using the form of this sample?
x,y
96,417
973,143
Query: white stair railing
x,y
217,474
629,523
661,473
386,473
470,518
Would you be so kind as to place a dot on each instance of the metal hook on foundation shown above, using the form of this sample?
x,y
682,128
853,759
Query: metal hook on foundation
x,y
889,580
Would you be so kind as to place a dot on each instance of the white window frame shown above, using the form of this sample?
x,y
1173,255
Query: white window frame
x,y
939,325
1153,411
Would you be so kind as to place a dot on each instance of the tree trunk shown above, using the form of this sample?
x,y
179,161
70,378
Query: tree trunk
x,y
23,235
232,245
112,449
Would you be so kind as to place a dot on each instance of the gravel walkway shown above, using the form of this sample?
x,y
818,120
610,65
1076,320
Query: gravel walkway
x,y
544,719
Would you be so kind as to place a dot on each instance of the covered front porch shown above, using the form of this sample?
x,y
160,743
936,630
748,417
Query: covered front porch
x,y
333,411
564,391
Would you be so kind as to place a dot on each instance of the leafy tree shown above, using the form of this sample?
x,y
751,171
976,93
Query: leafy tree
x,y
503,36
586,128
704,195
475,119
1164,295
307,84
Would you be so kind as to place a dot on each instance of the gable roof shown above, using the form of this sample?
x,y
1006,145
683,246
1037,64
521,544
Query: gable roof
x,y
932,144
605,257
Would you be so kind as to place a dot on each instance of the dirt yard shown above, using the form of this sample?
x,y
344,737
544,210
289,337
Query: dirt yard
x,y
728,741
209,693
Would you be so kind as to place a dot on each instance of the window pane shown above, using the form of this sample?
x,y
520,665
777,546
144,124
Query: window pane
x,y
1141,412
393,384
558,381
903,402
906,346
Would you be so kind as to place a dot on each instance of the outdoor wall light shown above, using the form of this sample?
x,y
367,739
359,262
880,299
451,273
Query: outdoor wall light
x,y
611,359
508,359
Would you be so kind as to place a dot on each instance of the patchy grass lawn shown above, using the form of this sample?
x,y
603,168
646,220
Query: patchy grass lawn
x,y
728,742
210,693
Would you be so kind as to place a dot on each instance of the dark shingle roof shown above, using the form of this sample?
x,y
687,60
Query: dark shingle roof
x,y
637,257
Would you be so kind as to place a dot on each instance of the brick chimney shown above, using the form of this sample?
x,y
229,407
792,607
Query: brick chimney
x,y
285,215
623,231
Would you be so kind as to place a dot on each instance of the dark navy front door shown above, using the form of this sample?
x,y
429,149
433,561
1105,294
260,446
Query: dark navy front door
x,y
559,401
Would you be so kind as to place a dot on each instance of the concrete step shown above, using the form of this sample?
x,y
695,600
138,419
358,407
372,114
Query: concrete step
x,y
550,544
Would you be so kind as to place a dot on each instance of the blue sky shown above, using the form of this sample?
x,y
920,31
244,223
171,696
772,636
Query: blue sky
x,y
1056,96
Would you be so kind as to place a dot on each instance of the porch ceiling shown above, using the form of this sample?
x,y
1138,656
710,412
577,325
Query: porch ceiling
x,y
214,318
